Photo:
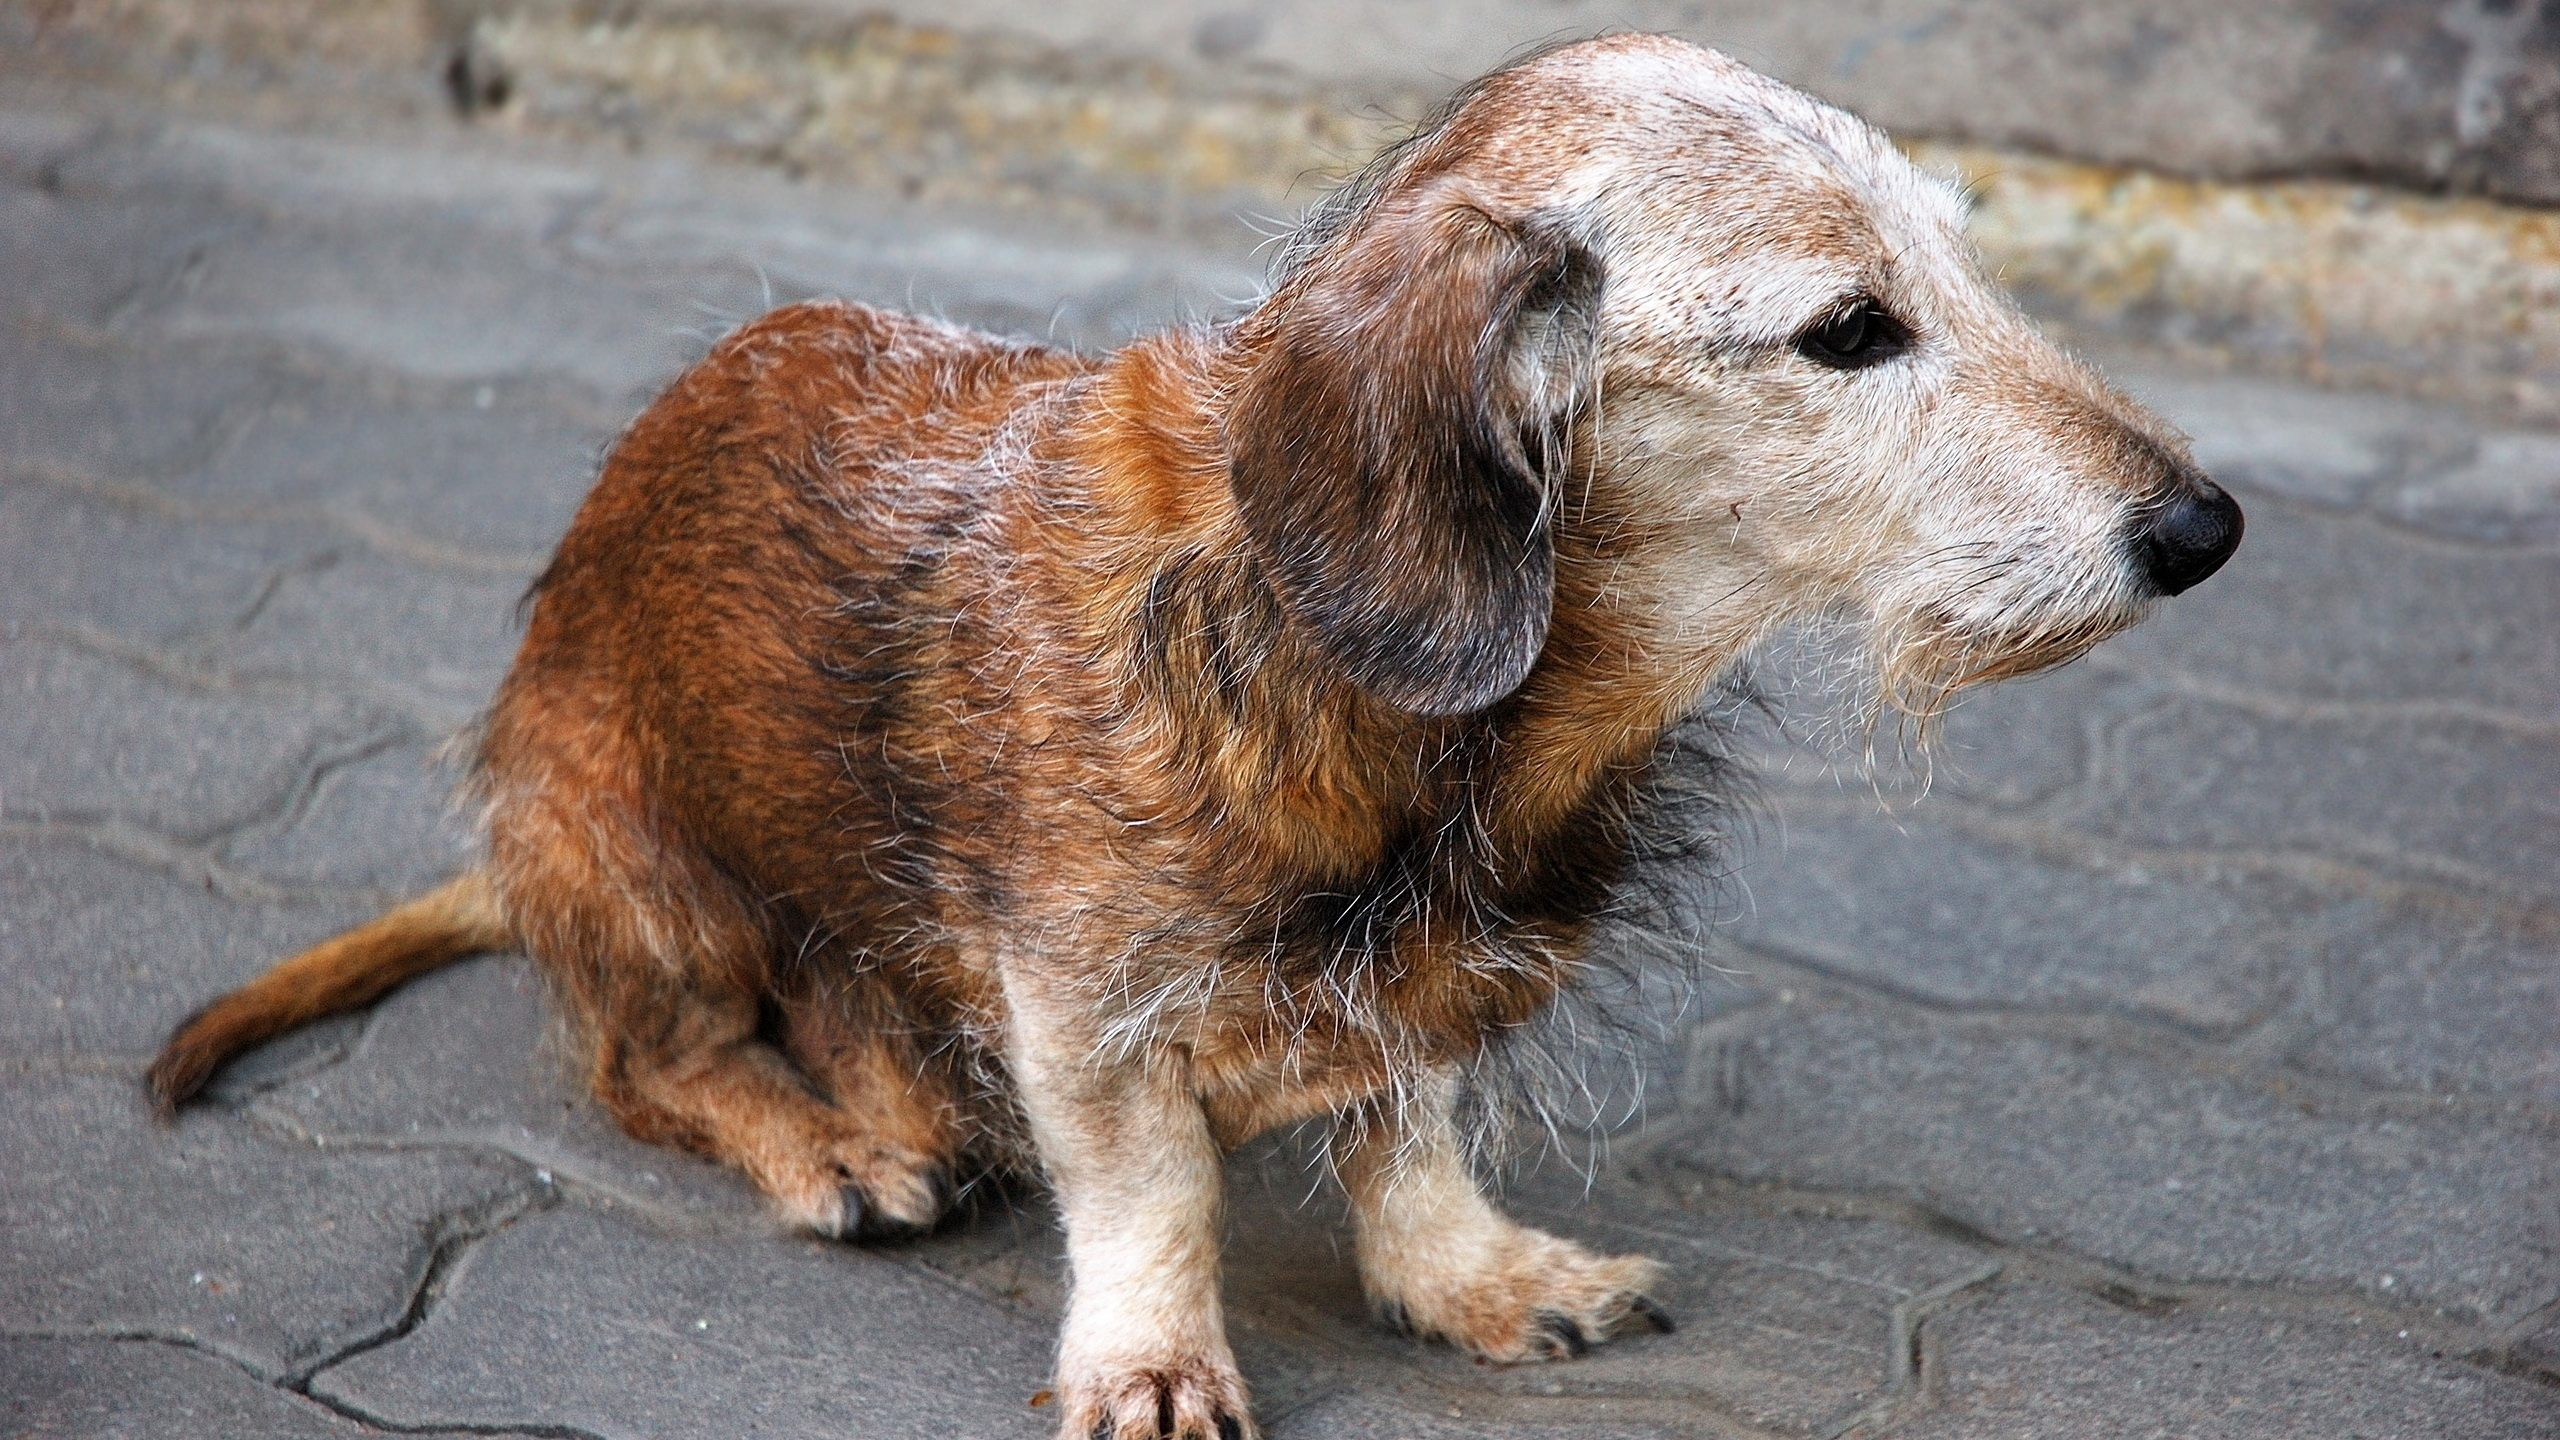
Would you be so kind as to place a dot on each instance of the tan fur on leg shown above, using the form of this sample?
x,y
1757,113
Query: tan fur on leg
x,y
1138,1176
1436,1257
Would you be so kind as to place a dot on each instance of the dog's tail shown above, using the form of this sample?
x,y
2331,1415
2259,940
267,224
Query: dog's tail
x,y
459,918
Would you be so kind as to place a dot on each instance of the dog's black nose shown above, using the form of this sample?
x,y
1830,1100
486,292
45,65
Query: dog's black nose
x,y
2188,538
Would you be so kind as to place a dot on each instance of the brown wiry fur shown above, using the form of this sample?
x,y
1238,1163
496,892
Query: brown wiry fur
x,y
931,752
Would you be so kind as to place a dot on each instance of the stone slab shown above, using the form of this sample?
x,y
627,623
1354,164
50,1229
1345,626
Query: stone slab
x,y
490,471
1381,1417
617,314
2033,1360
2506,491
2330,608
1906,902
138,1390
89,738
1788,1318
276,1256
76,260
2442,799
1058,281
292,271
2422,95
384,823
433,639
586,1320
466,1056
93,562
604,272
2132,1156
400,302
104,955
2422,998
634,218
96,403
318,181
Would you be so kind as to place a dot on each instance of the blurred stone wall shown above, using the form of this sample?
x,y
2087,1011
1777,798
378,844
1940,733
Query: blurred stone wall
x,y
2458,94
2356,190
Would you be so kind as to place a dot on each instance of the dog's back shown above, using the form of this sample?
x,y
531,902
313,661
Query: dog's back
x,y
725,749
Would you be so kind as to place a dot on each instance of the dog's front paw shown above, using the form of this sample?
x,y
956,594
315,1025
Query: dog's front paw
x,y
1528,1296
1183,1400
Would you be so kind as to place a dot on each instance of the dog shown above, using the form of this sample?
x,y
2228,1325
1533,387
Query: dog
x,y
931,752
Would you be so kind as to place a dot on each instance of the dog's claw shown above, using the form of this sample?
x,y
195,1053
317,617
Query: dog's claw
x,y
864,1220
1230,1428
1654,1315
1567,1335
1397,1320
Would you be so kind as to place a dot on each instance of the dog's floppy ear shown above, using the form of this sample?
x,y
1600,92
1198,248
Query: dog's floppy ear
x,y
1396,448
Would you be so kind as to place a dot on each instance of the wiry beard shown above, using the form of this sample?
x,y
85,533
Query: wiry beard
x,y
1921,668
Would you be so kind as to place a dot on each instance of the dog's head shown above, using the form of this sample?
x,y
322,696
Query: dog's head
x,y
1717,351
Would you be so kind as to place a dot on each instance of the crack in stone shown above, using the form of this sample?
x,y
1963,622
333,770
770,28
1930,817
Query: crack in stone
x,y
2409,531
2459,891
1913,1368
288,808
569,1173
1706,1193
456,1233
208,677
180,1341
2222,1057
1837,968
186,862
2313,710
2115,735
369,529
193,853
272,585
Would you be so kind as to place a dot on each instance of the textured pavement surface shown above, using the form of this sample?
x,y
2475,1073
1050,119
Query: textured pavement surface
x,y
2185,1062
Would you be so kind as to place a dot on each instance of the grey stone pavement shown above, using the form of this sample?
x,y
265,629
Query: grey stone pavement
x,y
2185,1062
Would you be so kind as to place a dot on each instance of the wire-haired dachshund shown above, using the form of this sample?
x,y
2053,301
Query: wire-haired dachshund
x,y
932,751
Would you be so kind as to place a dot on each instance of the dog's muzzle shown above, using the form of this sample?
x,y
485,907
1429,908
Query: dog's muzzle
x,y
2188,537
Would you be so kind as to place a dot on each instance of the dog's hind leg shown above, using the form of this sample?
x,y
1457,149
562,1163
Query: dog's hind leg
x,y
694,1070
665,971
690,1067
1436,1257
850,1035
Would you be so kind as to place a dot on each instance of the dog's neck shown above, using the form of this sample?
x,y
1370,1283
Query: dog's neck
x,y
1615,675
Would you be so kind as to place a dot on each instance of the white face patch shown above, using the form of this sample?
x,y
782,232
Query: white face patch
x,y
1959,482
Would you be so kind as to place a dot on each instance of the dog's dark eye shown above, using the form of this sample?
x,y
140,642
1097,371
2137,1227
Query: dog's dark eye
x,y
1858,336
